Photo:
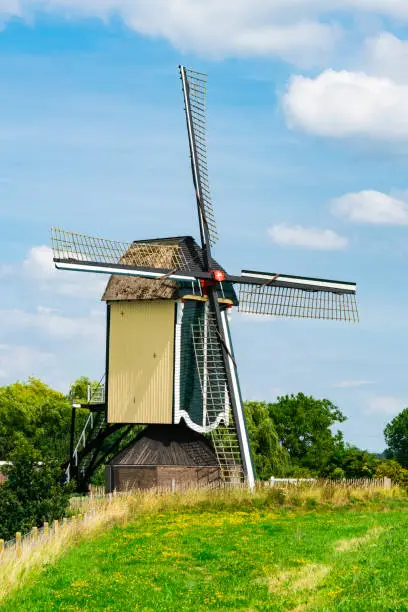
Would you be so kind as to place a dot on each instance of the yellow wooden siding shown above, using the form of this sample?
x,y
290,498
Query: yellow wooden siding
x,y
141,347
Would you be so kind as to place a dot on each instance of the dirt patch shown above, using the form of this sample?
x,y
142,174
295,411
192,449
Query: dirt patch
x,y
303,579
355,543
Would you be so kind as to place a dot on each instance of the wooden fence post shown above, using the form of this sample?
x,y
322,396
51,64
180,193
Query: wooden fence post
x,y
1,548
56,527
35,533
46,528
19,548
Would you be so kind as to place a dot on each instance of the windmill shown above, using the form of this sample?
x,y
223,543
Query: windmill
x,y
170,361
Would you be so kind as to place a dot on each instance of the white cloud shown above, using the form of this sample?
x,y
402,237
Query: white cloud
x,y
38,264
308,238
10,8
298,30
54,324
371,207
391,8
387,56
6,270
20,362
386,405
351,384
290,29
345,104
39,267
55,344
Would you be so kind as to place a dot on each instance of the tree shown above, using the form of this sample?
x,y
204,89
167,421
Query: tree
x,y
357,463
32,493
396,437
270,458
303,425
34,412
79,390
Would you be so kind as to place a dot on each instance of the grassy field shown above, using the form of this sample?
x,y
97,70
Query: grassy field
x,y
242,554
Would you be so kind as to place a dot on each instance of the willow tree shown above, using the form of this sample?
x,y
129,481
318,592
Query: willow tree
x,y
270,458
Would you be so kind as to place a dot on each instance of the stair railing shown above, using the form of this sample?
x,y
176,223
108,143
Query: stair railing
x,y
95,395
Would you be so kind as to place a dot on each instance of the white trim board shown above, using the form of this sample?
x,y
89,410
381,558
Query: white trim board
x,y
77,267
247,459
301,281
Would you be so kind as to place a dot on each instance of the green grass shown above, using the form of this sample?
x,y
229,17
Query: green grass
x,y
215,557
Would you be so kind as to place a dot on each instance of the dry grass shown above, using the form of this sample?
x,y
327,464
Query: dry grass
x,y
305,495
354,543
305,578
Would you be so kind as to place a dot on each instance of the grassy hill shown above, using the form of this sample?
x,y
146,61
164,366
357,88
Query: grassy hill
x,y
242,553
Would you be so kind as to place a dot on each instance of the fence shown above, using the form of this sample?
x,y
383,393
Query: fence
x,y
38,536
347,483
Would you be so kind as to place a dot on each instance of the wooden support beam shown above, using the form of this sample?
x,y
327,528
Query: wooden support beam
x,y
204,298
196,298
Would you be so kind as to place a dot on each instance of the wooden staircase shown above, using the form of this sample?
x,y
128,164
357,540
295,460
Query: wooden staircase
x,y
97,443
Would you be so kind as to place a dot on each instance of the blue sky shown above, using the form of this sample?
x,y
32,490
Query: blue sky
x,y
308,152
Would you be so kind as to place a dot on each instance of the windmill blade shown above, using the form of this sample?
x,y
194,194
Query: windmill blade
x,y
211,369
218,415
150,259
289,296
220,391
195,90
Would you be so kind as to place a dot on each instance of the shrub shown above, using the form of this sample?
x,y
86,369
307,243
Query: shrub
x,y
390,468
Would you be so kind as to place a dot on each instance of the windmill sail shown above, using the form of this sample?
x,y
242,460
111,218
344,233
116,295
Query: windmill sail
x,y
227,449
211,370
289,296
218,408
195,90
150,258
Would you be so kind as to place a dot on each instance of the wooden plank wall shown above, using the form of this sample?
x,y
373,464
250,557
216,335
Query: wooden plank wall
x,y
141,362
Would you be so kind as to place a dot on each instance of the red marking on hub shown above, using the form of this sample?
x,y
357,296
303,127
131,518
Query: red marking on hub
x,y
218,275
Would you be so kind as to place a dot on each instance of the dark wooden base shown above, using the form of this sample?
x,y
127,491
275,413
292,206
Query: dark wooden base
x,y
168,456
123,478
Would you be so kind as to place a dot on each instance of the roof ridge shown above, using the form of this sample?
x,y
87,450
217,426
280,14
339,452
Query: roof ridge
x,y
166,239
167,445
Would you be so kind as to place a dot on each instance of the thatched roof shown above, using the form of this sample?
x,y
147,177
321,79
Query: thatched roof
x,y
129,288
168,253
160,445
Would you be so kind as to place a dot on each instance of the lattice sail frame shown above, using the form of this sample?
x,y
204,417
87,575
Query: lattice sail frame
x,y
218,412
211,372
70,246
278,301
195,91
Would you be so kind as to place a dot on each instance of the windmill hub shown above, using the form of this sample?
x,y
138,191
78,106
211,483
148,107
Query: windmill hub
x,y
218,275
